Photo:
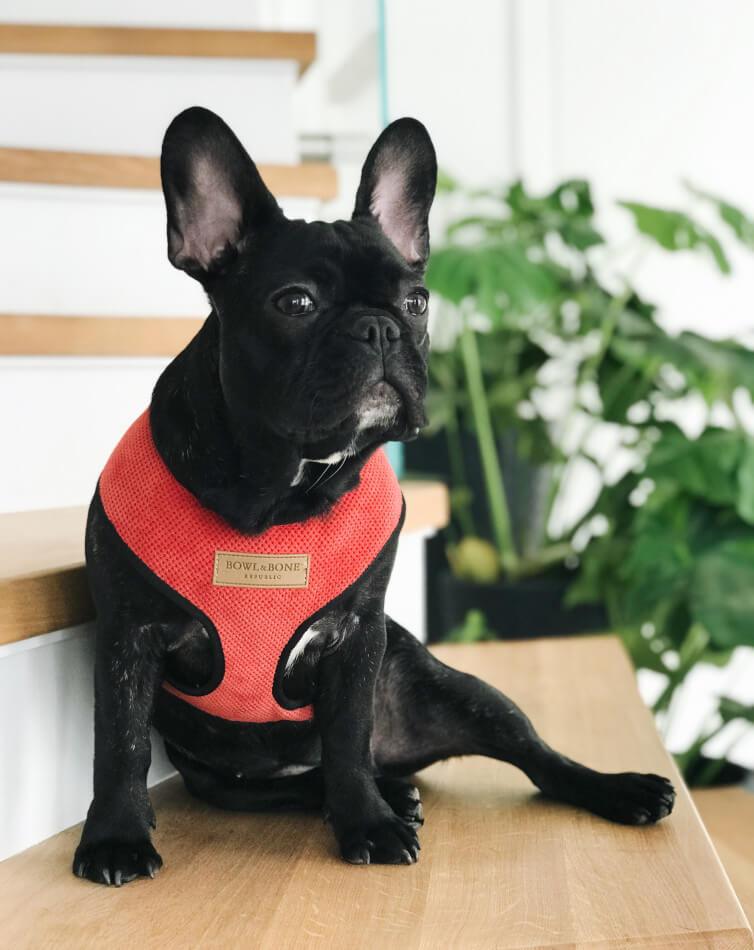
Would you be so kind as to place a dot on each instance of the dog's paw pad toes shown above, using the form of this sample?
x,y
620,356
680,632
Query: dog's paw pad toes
x,y
390,842
358,855
637,799
115,864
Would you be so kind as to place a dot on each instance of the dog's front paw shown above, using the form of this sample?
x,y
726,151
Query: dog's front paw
x,y
385,841
404,799
634,799
116,862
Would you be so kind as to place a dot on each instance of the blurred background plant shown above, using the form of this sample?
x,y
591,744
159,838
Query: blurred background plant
x,y
547,364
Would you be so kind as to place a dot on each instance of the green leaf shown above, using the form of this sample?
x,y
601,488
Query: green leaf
x,y
706,467
745,501
498,277
567,211
676,231
731,709
621,386
739,223
722,592
641,652
474,629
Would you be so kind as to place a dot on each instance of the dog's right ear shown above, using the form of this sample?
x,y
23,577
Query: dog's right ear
x,y
214,194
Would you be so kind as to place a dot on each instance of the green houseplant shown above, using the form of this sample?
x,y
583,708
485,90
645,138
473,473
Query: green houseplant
x,y
530,300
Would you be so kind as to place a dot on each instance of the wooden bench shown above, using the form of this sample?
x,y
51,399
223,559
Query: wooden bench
x,y
499,866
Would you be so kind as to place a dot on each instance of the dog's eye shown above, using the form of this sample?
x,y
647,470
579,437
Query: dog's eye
x,y
415,304
294,303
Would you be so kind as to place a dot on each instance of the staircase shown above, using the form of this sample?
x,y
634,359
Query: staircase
x,y
83,240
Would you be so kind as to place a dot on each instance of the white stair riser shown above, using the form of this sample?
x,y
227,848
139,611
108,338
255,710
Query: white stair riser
x,y
124,104
102,252
65,417
220,14
46,691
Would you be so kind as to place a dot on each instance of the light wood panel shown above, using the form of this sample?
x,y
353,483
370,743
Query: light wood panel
x,y
26,334
101,170
42,578
43,584
498,867
728,815
136,41
427,505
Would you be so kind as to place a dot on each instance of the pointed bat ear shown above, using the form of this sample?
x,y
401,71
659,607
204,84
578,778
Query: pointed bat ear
x,y
398,185
214,195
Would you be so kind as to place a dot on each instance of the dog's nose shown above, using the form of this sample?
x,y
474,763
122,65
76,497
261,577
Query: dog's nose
x,y
376,330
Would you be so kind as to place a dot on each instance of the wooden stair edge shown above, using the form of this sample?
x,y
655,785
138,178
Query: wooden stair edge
x,y
105,170
499,865
94,40
29,334
727,813
43,585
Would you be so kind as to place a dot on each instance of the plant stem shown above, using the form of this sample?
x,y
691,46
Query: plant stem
x,y
493,476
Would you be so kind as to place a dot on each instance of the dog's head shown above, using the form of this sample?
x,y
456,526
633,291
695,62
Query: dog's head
x,y
323,327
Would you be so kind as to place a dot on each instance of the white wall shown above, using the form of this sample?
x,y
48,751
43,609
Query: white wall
x,y
638,96
449,66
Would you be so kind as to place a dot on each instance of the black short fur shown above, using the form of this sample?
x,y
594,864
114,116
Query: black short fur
x,y
314,354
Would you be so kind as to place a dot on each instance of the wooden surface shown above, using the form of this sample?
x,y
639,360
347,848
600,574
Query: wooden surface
x,y
42,335
136,41
499,867
42,579
728,815
100,170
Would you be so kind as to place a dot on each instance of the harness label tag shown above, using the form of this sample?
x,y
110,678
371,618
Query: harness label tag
x,y
234,569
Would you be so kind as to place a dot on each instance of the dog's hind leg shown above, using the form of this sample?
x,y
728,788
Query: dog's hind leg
x,y
426,711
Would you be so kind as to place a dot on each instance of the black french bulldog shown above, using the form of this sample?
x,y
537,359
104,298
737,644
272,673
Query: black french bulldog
x,y
315,349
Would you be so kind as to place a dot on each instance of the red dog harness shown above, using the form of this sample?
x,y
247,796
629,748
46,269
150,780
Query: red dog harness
x,y
255,594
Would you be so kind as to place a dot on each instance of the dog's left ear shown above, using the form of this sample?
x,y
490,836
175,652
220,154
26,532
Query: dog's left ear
x,y
397,187
214,195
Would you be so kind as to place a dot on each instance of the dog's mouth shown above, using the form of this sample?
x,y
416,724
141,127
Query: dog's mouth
x,y
380,406
382,409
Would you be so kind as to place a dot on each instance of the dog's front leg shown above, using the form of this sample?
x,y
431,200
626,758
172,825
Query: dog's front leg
x,y
366,827
115,844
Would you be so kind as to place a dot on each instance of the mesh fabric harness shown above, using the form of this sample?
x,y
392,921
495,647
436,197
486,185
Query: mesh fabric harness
x,y
175,540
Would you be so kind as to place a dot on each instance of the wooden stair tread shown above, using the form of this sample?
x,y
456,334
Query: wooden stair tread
x,y
102,170
34,334
499,867
728,815
53,39
42,578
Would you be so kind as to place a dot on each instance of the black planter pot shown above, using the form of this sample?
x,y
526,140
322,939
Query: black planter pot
x,y
730,774
515,610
